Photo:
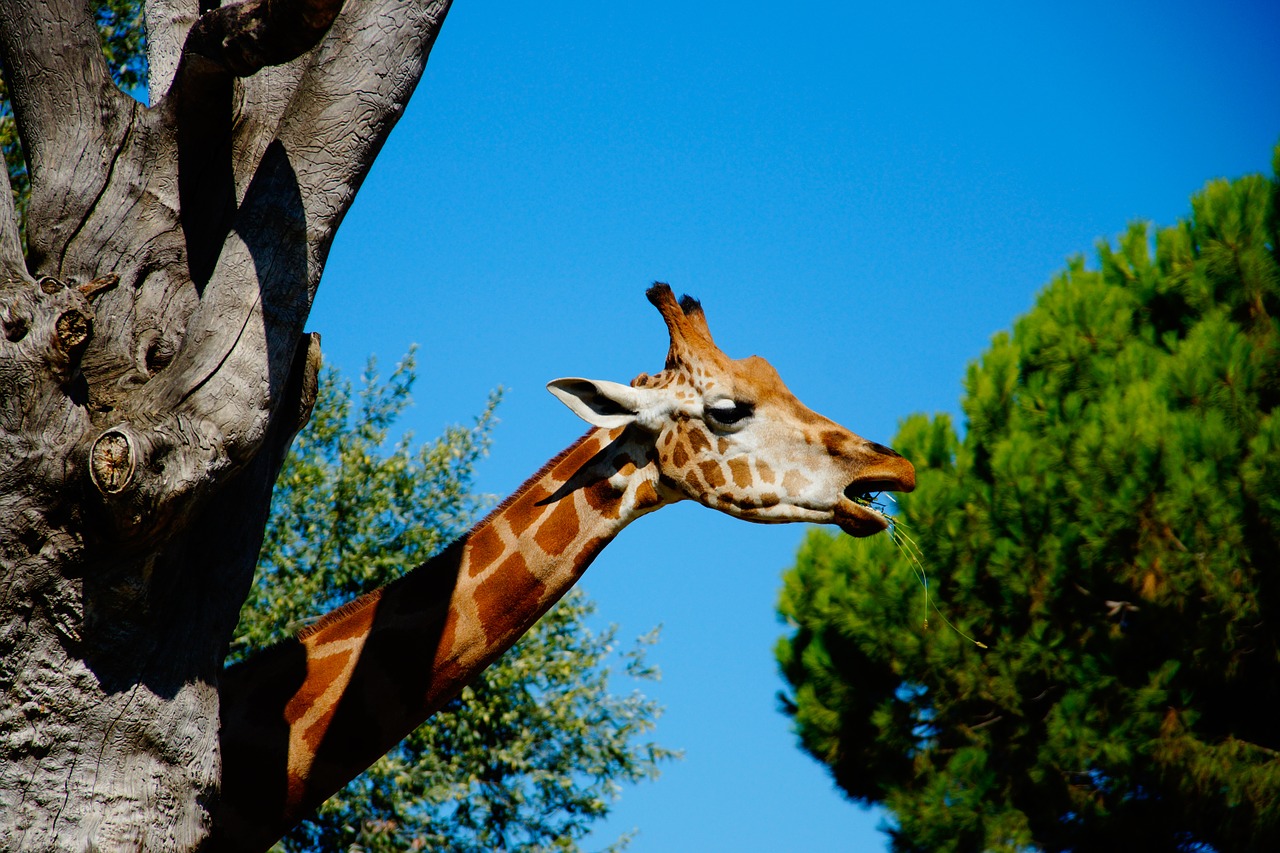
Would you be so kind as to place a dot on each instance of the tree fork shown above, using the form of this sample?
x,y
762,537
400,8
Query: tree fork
x,y
145,413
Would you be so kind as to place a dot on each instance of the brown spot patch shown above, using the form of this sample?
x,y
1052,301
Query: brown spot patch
x,y
483,548
740,468
699,440
506,593
591,551
575,459
646,496
834,441
711,471
297,788
769,499
321,673
524,512
353,619
765,472
722,445
795,482
680,456
694,482
559,529
448,635
603,498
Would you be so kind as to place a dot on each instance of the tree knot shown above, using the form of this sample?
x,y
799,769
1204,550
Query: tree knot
x,y
112,462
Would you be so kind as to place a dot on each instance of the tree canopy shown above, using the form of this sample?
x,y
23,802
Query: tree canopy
x,y
1108,524
533,753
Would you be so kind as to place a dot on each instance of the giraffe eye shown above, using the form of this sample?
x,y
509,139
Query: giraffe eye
x,y
728,412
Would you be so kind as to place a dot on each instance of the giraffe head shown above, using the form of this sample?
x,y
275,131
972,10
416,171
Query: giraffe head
x,y
728,434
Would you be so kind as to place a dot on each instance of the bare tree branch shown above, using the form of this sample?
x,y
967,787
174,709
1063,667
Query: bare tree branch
x,y
245,37
258,100
223,119
69,113
207,413
12,264
167,22
54,68
334,127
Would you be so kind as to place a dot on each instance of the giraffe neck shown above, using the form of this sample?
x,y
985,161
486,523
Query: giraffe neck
x,y
324,706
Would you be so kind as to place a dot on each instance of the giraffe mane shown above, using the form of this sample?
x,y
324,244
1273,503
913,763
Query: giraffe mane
x,y
343,611
541,472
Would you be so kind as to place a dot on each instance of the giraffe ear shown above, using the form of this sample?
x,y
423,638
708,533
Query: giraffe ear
x,y
605,404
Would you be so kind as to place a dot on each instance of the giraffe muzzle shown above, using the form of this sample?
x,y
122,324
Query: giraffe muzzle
x,y
856,513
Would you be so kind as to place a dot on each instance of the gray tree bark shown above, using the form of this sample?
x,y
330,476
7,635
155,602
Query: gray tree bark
x,y
153,370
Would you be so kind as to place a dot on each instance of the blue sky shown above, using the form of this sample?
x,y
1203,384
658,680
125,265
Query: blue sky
x,y
861,194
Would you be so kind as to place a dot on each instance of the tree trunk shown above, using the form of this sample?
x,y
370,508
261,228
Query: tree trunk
x,y
153,370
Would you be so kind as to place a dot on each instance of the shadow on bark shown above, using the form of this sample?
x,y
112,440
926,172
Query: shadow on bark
x,y
206,178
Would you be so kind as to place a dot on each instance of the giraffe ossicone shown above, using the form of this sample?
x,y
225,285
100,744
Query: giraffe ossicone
x,y
302,719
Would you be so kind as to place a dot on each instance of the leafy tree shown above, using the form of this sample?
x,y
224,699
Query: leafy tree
x,y
531,754
1109,525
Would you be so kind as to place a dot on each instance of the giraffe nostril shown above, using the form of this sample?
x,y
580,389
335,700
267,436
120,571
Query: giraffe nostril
x,y
882,450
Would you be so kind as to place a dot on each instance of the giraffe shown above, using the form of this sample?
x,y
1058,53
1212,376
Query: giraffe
x,y
303,718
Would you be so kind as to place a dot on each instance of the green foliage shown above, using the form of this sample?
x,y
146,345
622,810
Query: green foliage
x,y
124,41
349,514
124,46
533,752
1110,525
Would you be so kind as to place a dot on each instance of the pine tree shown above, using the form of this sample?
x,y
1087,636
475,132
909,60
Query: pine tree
x,y
1109,526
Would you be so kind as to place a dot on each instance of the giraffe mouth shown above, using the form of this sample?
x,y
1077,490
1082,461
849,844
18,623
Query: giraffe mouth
x,y
856,512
